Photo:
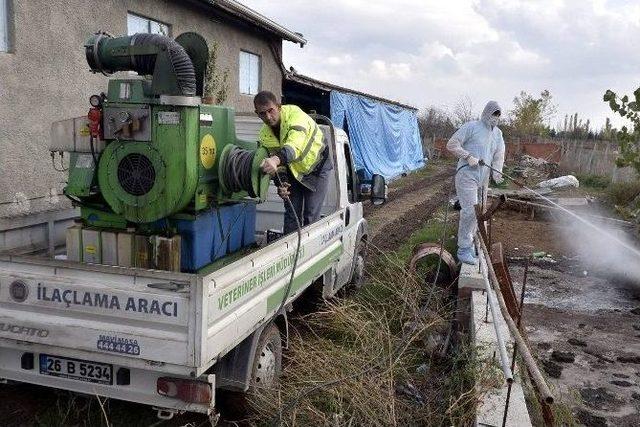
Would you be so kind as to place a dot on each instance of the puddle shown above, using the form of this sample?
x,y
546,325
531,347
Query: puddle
x,y
571,291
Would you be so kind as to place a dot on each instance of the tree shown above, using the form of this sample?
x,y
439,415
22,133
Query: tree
x,y
627,137
216,84
530,115
436,122
463,112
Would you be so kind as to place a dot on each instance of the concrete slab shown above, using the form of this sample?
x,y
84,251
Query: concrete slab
x,y
572,201
472,276
490,410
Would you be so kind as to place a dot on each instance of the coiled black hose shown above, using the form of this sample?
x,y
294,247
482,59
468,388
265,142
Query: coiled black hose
x,y
236,173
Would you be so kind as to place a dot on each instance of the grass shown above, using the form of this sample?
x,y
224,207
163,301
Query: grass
x,y
376,358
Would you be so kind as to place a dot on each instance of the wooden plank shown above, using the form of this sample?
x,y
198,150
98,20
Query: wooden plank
x,y
166,253
504,280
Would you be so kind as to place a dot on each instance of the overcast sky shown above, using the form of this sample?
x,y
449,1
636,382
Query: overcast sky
x,y
428,52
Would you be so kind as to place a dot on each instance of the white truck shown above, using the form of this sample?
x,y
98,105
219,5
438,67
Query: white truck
x,y
171,339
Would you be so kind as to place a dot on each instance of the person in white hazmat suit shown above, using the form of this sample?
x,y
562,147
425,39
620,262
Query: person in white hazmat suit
x,y
475,141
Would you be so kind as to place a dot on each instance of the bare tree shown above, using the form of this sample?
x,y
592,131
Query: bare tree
x,y
435,122
463,111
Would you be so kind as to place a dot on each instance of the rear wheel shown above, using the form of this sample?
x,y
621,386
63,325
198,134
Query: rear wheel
x,y
267,363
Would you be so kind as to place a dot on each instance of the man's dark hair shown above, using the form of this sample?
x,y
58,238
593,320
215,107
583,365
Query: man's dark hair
x,y
264,97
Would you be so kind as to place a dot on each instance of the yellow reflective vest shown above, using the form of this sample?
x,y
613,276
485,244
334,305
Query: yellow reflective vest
x,y
300,134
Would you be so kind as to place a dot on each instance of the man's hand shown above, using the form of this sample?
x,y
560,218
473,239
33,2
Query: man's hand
x,y
283,190
270,165
497,178
472,161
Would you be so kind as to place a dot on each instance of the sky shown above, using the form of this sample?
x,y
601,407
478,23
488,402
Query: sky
x,y
435,53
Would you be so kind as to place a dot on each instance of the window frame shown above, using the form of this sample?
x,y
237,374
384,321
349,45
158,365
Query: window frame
x,y
259,78
149,22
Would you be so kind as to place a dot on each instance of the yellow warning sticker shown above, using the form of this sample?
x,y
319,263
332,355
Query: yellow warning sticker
x,y
90,249
208,151
84,131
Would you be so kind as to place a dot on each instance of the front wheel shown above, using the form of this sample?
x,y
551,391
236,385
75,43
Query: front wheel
x,y
357,276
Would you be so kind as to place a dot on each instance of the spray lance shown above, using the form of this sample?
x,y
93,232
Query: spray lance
x,y
515,181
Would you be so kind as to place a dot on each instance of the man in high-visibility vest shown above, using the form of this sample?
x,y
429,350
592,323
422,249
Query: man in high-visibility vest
x,y
296,148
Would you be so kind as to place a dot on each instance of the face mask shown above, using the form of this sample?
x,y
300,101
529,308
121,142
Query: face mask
x,y
493,121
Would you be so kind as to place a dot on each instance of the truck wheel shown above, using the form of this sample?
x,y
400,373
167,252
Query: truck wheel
x,y
267,363
357,277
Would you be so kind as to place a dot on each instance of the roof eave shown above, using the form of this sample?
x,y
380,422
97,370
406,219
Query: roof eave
x,y
235,8
302,79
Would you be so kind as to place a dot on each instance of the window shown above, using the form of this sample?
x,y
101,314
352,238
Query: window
x,y
140,24
4,25
249,73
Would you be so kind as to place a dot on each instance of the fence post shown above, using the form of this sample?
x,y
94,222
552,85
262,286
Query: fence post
x,y
605,158
593,153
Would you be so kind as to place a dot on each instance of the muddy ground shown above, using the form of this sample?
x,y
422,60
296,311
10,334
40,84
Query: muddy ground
x,y
412,200
584,324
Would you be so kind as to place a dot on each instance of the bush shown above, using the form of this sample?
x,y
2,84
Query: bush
x,y
623,193
594,181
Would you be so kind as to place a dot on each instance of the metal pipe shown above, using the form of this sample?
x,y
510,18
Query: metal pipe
x,y
529,361
502,349
515,347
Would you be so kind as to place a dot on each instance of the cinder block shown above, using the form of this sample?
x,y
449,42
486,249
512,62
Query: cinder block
x,y
126,249
74,243
91,246
109,240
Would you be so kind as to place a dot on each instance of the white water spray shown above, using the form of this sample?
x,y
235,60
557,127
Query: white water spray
x,y
602,231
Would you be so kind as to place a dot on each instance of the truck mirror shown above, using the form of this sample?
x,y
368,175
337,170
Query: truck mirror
x,y
378,190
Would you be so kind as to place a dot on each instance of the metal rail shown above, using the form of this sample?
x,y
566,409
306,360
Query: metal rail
x,y
523,348
502,349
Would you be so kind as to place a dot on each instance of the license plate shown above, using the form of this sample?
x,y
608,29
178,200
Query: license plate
x,y
81,370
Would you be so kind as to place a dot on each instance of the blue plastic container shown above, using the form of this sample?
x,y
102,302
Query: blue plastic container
x,y
236,214
199,236
220,220
249,232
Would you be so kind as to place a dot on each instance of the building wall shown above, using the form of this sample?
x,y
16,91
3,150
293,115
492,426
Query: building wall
x,y
46,78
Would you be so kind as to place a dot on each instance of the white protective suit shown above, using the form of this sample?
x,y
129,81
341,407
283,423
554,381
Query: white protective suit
x,y
482,140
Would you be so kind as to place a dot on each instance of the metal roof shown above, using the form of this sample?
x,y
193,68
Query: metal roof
x,y
299,78
249,15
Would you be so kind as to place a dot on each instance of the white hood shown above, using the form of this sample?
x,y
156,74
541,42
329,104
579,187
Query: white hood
x,y
487,114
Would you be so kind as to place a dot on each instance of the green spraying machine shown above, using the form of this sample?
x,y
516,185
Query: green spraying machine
x,y
152,159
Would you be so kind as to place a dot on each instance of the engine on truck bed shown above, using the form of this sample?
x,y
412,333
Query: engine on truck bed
x,y
160,178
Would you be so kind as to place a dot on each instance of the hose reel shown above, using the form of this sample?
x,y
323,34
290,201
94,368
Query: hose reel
x,y
239,170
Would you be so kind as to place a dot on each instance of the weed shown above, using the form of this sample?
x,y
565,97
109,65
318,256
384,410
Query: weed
x,y
371,359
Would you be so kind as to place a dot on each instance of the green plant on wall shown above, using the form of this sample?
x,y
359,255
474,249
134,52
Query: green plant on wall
x,y
216,83
627,138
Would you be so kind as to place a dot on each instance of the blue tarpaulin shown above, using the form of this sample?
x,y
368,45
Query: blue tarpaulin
x,y
384,138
